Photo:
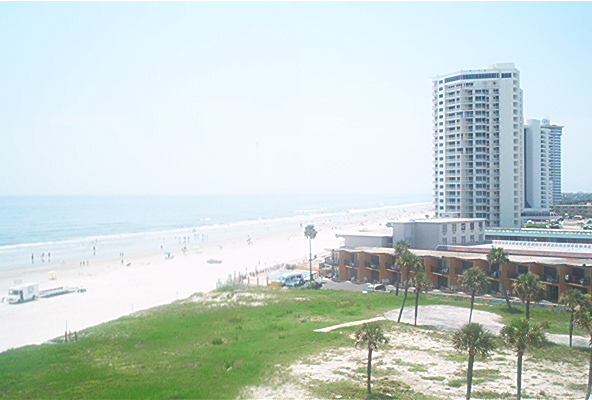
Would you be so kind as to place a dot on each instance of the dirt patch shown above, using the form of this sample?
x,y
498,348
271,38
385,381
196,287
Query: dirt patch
x,y
425,360
219,299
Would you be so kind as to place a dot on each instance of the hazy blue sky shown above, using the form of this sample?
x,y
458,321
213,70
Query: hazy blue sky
x,y
208,98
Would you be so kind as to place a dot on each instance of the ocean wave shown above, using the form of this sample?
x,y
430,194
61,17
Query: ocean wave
x,y
189,231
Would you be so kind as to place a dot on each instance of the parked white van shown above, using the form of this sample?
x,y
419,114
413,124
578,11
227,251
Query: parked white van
x,y
292,279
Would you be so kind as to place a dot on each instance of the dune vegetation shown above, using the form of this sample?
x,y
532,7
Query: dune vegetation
x,y
217,344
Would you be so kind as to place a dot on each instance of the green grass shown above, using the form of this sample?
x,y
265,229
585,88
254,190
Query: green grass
x,y
434,378
488,394
187,349
479,376
579,387
554,353
385,388
487,374
456,383
204,350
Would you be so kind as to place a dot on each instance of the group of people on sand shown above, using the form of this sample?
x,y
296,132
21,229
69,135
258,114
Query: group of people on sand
x,y
42,257
82,263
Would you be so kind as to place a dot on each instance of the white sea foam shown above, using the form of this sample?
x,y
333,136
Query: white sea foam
x,y
80,249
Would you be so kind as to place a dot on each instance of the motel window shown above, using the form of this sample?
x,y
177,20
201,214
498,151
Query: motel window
x,y
453,228
444,227
463,239
463,227
453,240
472,226
472,238
444,241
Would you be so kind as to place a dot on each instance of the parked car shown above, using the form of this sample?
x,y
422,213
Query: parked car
x,y
376,288
312,285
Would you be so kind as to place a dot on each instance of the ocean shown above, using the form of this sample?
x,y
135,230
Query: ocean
x,y
50,229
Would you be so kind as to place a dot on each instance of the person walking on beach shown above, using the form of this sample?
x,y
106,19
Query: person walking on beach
x,y
32,258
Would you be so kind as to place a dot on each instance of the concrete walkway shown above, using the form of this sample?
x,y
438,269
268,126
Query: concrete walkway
x,y
447,317
453,318
354,323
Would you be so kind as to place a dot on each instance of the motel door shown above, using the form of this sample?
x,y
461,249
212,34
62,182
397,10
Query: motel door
x,y
553,293
375,276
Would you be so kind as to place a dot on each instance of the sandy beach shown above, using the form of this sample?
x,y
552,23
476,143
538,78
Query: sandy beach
x,y
114,288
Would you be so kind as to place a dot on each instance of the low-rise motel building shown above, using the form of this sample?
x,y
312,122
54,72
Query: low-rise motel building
x,y
443,268
449,247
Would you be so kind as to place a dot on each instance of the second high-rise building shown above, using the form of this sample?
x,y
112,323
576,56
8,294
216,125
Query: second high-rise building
x,y
478,145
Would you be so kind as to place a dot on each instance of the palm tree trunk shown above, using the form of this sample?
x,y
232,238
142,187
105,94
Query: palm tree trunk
x,y
519,377
505,291
571,326
527,309
369,370
396,283
416,305
310,257
589,375
470,375
472,305
404,300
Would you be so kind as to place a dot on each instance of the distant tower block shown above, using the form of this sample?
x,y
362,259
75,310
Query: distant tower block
x,y
478,145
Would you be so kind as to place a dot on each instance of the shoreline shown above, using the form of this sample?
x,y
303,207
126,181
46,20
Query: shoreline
x,y
114,290
304,215
18,256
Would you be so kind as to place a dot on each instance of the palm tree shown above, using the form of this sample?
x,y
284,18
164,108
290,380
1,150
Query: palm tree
x,y
370,335
520,335
572,300
421,283
409,263
583,317
400,248
530,288
310,232
475,340
475,281
499,257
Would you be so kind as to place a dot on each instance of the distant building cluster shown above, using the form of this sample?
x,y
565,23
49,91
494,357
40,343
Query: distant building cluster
x,y
443,269
450,246
487,162
493,173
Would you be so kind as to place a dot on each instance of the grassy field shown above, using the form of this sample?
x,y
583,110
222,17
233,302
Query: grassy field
x,y
208,348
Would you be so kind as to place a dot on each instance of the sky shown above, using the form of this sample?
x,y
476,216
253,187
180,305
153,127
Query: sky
x,y
266,97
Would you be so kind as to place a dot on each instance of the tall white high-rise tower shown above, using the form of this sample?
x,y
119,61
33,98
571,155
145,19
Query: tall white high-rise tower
x,y
542,164
478,145
554,133
538,188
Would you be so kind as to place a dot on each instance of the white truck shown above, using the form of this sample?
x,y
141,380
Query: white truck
x,y
22,292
